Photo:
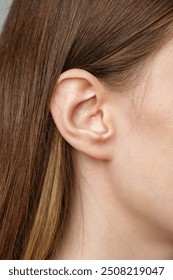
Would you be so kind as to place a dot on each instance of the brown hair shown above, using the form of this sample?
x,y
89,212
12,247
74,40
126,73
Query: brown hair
x,y
39,41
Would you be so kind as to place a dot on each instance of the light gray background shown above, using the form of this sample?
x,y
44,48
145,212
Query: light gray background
x,y
4,8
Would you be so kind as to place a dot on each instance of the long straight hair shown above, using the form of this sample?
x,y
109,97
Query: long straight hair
x,y
41,39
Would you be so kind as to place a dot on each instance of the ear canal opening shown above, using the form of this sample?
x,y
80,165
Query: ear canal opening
x,y
97,124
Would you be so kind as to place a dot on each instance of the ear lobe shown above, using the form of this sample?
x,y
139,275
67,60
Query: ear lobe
x,y
80,114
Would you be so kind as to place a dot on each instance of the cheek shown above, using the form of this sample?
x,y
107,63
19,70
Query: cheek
x,y
153,135
146,166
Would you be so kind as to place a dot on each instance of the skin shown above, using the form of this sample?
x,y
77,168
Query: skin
x,y
122,206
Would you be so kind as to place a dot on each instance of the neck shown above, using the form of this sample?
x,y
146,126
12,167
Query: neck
x,y
102,226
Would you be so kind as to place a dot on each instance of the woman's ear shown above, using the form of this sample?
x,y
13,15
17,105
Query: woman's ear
x,y
80,109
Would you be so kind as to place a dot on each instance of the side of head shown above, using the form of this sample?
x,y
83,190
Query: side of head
x,y
88,54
